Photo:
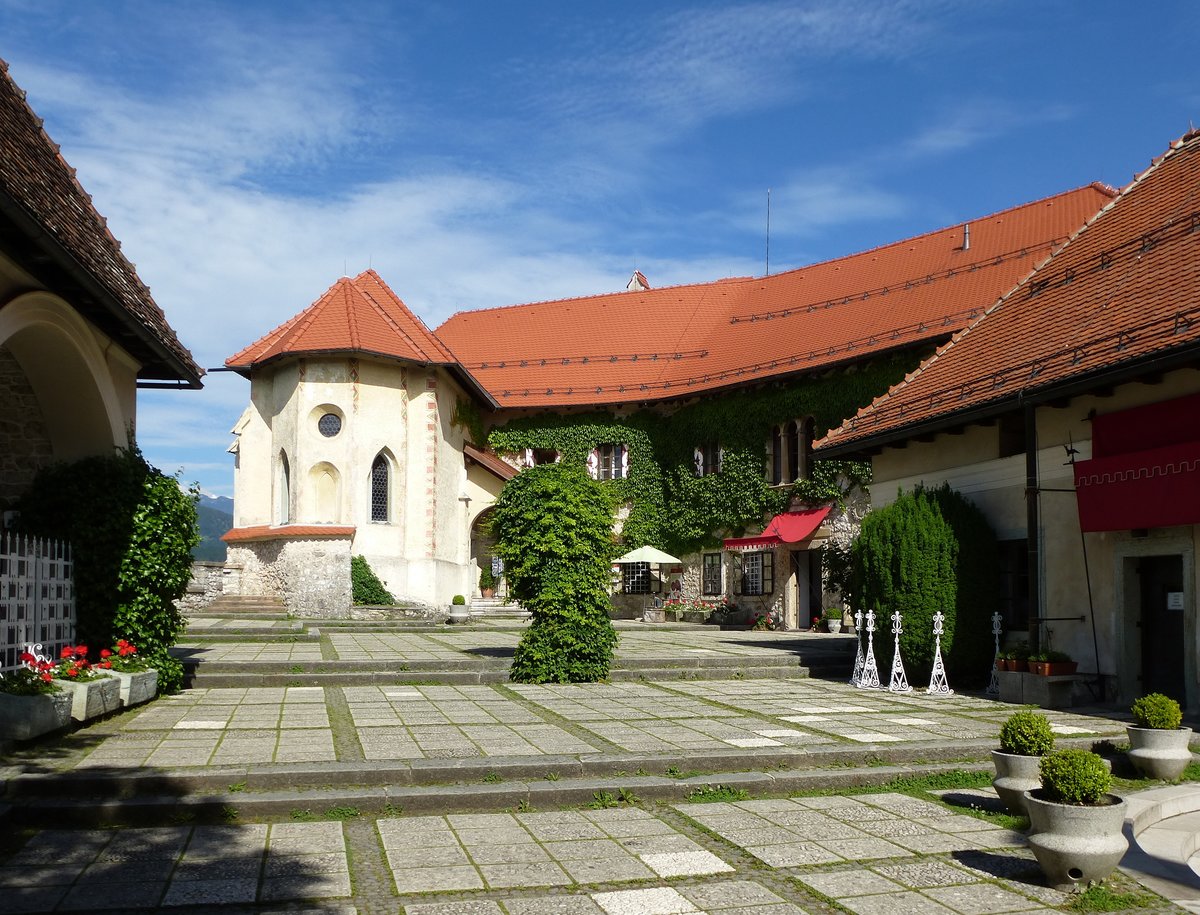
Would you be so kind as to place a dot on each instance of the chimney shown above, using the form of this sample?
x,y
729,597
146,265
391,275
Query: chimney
x,y
966,236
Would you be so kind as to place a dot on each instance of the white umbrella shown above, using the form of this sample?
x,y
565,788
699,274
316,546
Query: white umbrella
x,y
650,554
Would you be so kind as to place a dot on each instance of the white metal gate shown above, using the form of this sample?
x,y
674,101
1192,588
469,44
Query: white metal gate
x,y
37,597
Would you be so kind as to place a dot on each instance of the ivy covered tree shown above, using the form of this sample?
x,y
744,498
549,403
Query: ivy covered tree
x,y
131,530
553,528
365,587
930,550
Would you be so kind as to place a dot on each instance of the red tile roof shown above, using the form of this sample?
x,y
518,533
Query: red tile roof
x,y
489,461
1123,293
359,315
678,341
287,532
62,240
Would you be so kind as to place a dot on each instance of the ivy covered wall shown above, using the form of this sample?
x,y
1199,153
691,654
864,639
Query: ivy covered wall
x,y
682,513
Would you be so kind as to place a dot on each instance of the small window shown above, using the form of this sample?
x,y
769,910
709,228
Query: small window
x,y
711,574
758,573
608,462
635,577
329,425
707,459
380,473
539,456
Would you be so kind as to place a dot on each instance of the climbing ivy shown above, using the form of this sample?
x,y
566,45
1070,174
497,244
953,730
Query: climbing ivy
x,y
672,508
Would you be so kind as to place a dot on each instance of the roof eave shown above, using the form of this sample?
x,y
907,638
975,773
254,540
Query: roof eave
x,y
162,364
1185,356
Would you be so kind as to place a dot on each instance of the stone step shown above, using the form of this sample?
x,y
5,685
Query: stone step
x,y
112,797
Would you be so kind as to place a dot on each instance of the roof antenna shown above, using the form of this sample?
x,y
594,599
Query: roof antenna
x,y
768,273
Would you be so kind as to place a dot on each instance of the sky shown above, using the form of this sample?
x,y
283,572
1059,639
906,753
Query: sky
x,y
249,153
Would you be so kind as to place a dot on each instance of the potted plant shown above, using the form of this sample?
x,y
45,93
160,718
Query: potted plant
x,y
139,681
1018,657
1024,739
1052,664
1158,746
833,619
31,702
1074,823
1004,660
487,582
458,609
93,694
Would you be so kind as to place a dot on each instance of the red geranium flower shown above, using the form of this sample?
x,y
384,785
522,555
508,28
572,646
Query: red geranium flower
x,y
67,652
105,653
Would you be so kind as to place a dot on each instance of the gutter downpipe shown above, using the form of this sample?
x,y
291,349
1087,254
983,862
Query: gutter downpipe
x,y
1032,523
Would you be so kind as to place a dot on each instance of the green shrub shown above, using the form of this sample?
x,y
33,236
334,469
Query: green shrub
x,y
131,529
487,581
834,613
553,528
1020,652
1075,777
365,586
930,550
458,600
1026,734
1157,711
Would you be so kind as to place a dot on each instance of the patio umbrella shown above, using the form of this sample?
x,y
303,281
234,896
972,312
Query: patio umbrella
x,y
650,554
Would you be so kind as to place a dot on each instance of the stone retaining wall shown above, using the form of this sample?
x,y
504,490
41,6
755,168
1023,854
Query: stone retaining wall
x,y
312,577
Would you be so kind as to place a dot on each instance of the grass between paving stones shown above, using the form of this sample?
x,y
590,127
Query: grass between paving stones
x,y
717,794
1100,898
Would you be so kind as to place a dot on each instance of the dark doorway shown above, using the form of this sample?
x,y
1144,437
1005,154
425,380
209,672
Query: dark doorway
x,y
1160,583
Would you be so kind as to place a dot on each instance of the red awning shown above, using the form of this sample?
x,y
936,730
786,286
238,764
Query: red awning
x,y
790,528
1140,489
1145,468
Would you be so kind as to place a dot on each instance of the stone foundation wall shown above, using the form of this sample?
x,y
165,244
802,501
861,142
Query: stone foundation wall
x,y
207,584
25,445
312,577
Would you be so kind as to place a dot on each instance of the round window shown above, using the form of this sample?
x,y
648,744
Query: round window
x,y
329,425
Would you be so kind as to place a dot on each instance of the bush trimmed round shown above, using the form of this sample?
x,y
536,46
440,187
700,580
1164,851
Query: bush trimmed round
x,y
1075,777
1026,733
1157,711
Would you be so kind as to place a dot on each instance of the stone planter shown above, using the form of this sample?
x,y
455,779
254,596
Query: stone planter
x,y
1159,754
1015,775
26,717
1075,846
136,686
834,625
654,616
92,698
459,613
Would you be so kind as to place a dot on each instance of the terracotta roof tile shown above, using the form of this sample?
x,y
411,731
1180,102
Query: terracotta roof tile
x,y
1124,290
287,532
40,194
677,341
354,315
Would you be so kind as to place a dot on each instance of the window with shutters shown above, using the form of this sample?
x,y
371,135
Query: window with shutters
x,y
758,573
707,459
710,582
608,462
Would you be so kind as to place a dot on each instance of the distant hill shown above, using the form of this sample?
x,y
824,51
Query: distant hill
x,y
216,518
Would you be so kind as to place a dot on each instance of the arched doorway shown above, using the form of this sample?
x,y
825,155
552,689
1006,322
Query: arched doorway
x,y
482,548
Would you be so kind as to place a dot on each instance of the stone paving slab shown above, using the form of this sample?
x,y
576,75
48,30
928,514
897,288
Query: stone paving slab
x,y
100,870
246,651
268,725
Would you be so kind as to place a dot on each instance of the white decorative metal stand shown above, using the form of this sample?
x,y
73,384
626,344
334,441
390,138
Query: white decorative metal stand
x,y
899,682
993,688
858,653
938,685
869,678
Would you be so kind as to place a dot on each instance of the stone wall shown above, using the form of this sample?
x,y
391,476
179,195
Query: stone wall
x,y
24,440
312,577
207,584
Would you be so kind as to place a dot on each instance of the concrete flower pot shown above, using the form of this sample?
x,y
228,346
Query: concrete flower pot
x,y
1158,753
1015,775
136,686
651,615
834,625
92,698
27,717
1075,846
459,613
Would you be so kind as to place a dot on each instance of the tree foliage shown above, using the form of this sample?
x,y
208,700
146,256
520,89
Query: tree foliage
x,y
930,550
553,528
365,586
131,530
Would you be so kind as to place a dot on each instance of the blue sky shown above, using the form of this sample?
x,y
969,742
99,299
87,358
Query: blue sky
x,y
248,154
